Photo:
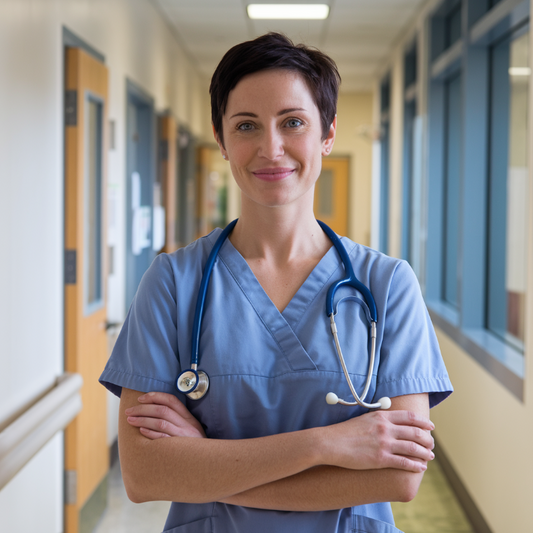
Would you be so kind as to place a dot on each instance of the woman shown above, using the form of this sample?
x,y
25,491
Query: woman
x,y
270,454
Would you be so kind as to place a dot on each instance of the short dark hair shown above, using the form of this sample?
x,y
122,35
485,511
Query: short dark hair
x,y
276,51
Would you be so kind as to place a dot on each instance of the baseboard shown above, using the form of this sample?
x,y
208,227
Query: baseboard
x,y
479,525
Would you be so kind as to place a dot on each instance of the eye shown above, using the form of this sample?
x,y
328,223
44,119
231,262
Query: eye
x,y
294,123
245,126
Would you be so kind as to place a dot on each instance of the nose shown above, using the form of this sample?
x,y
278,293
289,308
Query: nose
x,y
271,145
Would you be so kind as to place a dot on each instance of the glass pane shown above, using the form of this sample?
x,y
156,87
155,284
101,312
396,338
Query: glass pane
x,y
508,209
384,190
408,168
325,194
453,25
93,204
452,182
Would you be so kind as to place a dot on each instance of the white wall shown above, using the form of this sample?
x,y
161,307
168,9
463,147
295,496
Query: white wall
x,y
138,45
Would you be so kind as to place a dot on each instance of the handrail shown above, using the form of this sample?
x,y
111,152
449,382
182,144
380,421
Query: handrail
x,y
24,437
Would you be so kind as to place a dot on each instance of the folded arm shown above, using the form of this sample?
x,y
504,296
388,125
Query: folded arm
x,y
379,456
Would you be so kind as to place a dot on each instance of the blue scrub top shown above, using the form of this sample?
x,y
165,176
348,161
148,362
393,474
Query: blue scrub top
x,y
270,371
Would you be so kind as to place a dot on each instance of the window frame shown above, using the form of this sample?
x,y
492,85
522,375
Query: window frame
x,y
467,325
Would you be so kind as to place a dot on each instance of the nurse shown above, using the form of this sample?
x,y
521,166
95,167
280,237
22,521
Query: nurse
x,y
262,451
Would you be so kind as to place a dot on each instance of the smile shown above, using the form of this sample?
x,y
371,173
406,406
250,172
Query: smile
x,y
272,174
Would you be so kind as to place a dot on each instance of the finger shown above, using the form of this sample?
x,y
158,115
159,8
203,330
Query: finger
x,y
409,418
163,412
162,426
413,450
163,398
152,435
401,462
416,435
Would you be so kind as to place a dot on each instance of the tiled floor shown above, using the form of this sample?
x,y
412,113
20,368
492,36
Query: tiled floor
x,y
434,510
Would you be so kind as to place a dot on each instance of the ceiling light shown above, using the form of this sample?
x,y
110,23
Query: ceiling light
x,y
288,11
519,71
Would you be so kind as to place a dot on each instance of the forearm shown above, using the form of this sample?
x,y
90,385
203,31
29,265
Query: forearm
x,y
197,470
200,470
325,487
328,487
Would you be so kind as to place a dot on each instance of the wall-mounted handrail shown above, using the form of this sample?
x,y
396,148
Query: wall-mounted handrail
x,y
26,435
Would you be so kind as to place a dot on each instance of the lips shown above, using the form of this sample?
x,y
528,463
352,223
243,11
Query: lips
x,y
273,174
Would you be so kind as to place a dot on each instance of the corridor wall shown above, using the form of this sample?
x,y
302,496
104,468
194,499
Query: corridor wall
x,y
485,428
137,45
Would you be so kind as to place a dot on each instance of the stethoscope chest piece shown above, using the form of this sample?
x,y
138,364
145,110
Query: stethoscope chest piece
x,y
193,383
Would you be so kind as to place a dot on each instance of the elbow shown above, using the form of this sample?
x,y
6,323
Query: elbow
x,y
134,488
407,486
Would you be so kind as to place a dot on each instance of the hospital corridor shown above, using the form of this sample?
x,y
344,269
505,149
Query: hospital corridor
x,y
118,175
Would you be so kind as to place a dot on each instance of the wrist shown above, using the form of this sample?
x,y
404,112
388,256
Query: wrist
x,y
319,444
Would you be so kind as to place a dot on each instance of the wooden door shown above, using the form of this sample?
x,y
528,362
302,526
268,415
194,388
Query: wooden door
x,y
331,194
86,449
168,178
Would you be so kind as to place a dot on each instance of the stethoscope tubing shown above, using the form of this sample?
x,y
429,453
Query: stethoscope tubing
x,y
195,383
350,280
202,292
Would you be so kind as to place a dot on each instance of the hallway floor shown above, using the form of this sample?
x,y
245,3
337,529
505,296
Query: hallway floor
x,y
434,510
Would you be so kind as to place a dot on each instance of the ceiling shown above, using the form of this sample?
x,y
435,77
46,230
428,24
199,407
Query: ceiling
x,y
358,34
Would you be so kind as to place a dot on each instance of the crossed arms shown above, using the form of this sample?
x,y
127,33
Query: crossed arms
x,y
379,456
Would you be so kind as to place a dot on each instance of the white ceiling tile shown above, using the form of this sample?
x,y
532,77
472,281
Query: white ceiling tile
x,y
358,34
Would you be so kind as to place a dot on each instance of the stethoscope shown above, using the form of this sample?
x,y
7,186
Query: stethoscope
x,y
195,383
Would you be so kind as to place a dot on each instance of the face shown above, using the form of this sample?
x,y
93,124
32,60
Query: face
x,y
273,138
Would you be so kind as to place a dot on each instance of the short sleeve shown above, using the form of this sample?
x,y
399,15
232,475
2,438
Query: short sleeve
x,y
410,358
145,355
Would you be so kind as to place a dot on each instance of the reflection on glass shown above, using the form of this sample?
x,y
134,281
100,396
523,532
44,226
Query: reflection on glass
x,y
508,209
93,198
325,193
452,190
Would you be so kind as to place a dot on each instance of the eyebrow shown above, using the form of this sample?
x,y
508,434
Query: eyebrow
x,y
282,112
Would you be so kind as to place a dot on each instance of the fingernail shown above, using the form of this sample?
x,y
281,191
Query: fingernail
x,y
129,410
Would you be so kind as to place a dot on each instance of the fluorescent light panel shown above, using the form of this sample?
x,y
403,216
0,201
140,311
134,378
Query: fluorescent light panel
x,y
288,11
519,71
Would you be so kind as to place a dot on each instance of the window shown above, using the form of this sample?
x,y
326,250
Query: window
x,y
93,207
384,166
452,193
410,192
477,186
508,189
452,25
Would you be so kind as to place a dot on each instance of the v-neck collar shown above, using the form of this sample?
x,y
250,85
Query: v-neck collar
x,y
282,326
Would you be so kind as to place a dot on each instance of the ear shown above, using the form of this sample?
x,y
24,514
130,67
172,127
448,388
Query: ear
x,y
327,143
220,145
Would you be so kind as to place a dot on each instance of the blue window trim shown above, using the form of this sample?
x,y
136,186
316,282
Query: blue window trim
x,y
385,96
466,326
499,359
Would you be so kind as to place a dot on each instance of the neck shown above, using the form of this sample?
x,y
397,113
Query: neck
x,y
279,234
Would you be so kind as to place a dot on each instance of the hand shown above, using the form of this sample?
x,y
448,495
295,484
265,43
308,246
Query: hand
x,y
382,439
163,415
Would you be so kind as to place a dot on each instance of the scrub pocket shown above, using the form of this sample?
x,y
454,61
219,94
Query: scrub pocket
x,y
364,524
199,526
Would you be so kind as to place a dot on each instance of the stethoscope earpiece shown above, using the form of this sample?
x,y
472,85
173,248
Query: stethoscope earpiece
x,y
382,403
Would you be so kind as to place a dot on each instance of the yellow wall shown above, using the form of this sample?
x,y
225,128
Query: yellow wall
x,y
354,124
488,435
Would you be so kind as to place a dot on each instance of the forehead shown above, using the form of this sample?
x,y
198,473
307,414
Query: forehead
x,y
271,89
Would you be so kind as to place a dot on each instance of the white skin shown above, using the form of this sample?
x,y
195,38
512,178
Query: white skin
x,y
274,143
